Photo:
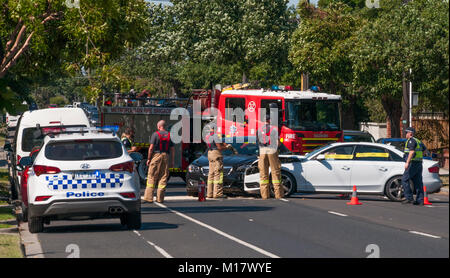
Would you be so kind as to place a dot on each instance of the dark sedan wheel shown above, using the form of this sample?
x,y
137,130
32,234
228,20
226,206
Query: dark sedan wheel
x,y
394,189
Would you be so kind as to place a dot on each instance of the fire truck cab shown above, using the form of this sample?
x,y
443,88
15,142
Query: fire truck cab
x,y
306,119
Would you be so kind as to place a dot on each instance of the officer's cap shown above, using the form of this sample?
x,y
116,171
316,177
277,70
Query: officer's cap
x,y
410,129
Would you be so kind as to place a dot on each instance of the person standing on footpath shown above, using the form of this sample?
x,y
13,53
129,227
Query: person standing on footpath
x,y
158,163
215,175
413,168
268,156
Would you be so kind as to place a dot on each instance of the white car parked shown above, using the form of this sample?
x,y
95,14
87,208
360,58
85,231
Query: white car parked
x,y
373,168
48,120
86,174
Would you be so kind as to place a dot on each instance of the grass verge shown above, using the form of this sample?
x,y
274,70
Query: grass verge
x,y
6,214
10,246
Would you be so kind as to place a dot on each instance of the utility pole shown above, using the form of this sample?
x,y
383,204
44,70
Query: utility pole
x,y
304,81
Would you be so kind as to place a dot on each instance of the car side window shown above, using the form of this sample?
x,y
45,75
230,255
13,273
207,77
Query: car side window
x,y
339,153
396,157
370,153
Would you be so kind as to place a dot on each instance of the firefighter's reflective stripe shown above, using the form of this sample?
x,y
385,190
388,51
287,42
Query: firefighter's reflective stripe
x,y
338,156
372,154
176,170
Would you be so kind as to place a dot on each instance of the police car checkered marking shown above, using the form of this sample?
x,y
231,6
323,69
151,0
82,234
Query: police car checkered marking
x,y
65,182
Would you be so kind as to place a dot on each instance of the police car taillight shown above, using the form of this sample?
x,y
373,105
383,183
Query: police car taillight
x,y
130,195
42,198
127,166
41,169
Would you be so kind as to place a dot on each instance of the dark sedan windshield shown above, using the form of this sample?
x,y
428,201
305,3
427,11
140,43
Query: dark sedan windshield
x,y
245,148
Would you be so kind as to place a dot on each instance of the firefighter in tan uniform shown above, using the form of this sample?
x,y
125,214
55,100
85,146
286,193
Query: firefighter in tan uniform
x,y
215,175
158,162
268,156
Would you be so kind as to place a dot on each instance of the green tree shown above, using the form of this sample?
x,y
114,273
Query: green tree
x,y
321,46
41,39
404,36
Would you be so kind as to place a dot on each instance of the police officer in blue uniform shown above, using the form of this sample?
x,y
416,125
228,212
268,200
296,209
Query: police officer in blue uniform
x,y
413,168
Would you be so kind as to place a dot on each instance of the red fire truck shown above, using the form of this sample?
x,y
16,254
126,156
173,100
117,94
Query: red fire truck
x,y
307,119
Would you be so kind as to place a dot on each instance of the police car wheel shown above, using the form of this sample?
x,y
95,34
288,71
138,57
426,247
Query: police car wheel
x,y
24,213
133,220
394,189
35,225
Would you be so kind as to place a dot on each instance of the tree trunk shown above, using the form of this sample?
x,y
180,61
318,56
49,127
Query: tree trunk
x,y
349,119
393,108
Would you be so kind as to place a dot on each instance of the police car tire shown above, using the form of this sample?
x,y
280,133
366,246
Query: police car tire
x,y
24,213
35,225
133,220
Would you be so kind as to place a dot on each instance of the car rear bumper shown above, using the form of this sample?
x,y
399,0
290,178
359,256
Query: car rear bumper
x,y
93,207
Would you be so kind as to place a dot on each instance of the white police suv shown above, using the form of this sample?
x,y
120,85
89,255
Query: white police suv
x,y
83,173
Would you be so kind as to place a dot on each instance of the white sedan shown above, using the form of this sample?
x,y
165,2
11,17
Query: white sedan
x,y
373,168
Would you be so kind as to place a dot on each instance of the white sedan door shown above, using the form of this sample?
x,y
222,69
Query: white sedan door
x,y
330,171
373,166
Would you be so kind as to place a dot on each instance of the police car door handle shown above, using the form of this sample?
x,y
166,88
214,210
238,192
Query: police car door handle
x,y
383,169
345,168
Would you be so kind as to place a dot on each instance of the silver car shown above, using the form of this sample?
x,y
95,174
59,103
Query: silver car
x,y
373,168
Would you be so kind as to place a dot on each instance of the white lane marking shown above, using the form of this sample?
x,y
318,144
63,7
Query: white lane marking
x,y
424,234
159,249
251,246
337,213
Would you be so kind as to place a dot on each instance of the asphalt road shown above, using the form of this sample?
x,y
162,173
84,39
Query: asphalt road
x,y
302,226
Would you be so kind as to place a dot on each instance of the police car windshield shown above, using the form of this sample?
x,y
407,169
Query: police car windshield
x,y
313,115
83,150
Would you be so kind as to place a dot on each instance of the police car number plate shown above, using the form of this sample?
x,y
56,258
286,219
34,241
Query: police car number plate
x,y
85,175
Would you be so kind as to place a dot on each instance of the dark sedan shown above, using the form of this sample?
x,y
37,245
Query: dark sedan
x,y
245,151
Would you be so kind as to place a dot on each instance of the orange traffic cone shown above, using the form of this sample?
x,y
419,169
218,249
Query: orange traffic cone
x,y
425,197
354,200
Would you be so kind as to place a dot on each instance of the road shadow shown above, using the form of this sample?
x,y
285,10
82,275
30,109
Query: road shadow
x,y
207,209
361,197
104,228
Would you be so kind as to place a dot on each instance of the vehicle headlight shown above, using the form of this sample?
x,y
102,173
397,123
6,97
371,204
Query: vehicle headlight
x,y
253,169
193,169
241,168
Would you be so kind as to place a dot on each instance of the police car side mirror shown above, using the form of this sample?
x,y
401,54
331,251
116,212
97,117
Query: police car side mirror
x,y
137,157
320,157
24,162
